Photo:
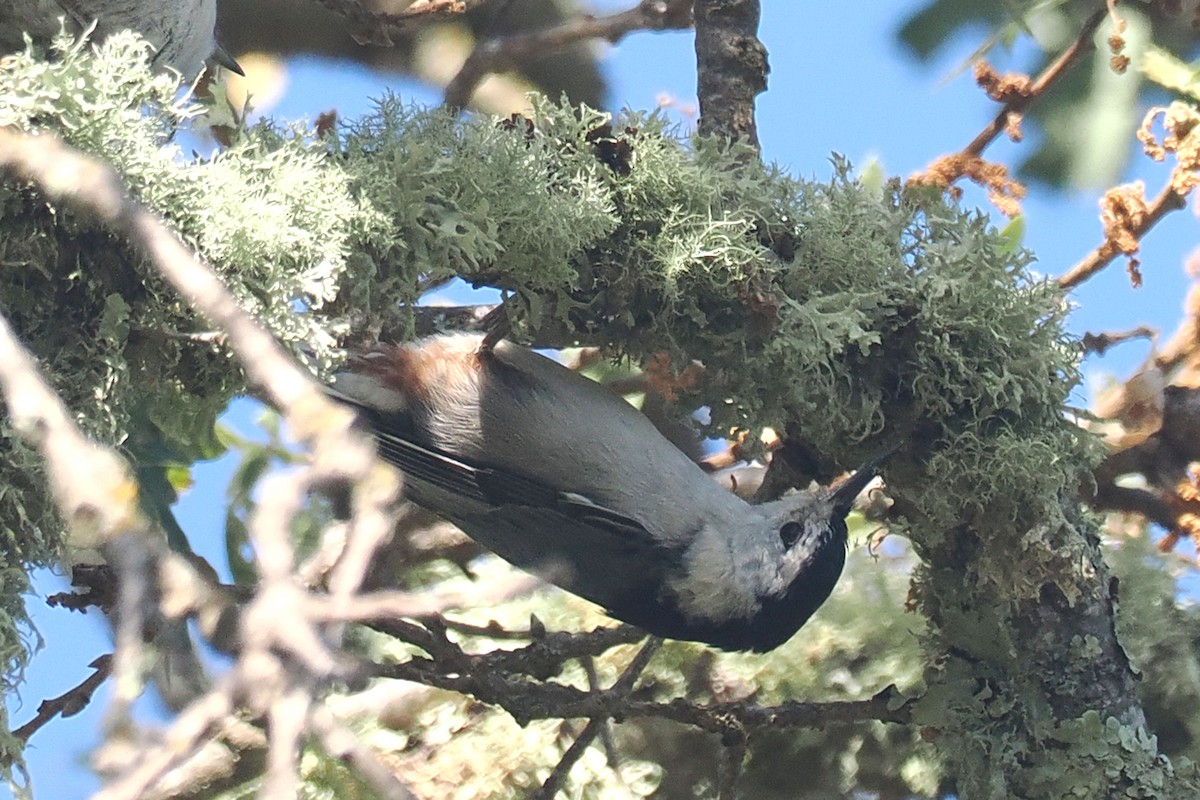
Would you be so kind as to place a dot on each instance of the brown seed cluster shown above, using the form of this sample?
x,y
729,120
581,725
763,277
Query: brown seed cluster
x,y
1003,192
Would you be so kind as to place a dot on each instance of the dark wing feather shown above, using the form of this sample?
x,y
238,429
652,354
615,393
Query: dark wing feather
x,y
594,551
394,436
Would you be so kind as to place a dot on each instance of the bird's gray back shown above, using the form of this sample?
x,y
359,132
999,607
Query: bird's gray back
x,y
180,30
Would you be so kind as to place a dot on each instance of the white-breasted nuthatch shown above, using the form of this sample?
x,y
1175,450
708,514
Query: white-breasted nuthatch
x,y
181,31
559,476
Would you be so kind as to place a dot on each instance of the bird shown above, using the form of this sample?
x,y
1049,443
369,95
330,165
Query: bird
x,y
559,476
181,31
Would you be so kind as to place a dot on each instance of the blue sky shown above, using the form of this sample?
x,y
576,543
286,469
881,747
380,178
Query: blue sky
x,y
838,83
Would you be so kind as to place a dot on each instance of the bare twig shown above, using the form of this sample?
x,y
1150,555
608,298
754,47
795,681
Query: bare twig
x,y
622,686
288,718
233,757
343,745
378,28
490,631
527,700
1099,343
498,55
62,172
189,730
1184,345
93,487
730,770
606,741
392,604
570,757
1168,200
70,702
1016,102
1163,458
285,656
1017,95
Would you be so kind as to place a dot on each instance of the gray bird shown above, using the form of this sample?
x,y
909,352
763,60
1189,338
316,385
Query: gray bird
x,y
181,31
557,475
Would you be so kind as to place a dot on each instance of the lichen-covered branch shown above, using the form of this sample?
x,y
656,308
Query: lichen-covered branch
x,y
837,315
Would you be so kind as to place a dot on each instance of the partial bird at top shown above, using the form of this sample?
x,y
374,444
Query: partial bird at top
x,y
181,31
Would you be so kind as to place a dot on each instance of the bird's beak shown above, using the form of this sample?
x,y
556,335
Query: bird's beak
x,y
843,496
221,57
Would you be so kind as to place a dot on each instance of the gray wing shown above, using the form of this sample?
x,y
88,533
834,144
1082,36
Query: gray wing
x,y
596,552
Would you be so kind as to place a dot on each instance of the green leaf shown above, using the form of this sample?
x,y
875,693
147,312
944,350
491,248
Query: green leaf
x,y
237,543
1167,70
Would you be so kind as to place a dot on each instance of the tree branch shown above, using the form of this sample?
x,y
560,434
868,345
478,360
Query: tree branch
x,y
1131,229
498,55
731,68
378,28
286,653
70,702
1016,102
1016,95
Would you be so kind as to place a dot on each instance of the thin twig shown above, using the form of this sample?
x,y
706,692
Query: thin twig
x,y
490,631
287,718
286,656
1017,102
1168,200
378,27
1099,343
189,730
729,770
606,741
393,603
70,702
570,757
341,744
93,487
622,686
1003,191
65,173
498,55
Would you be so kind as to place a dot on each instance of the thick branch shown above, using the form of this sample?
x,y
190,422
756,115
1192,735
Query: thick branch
x,y
731,68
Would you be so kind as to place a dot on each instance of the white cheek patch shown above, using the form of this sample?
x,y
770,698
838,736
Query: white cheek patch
x,y
719,581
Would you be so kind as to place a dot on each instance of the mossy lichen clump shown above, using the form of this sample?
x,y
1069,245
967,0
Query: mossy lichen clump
x,y
827,310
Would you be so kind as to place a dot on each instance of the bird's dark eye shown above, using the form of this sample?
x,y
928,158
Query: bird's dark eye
x,y
790,533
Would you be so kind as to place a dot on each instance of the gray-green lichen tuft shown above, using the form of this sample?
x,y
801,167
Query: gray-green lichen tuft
x,y
122,349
